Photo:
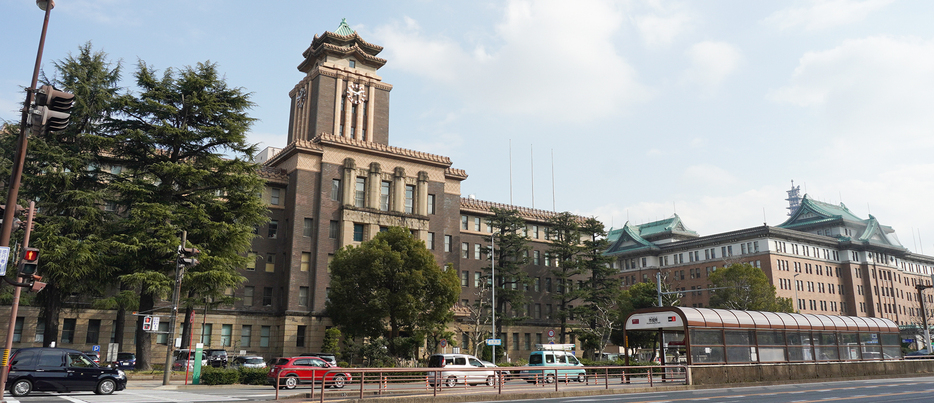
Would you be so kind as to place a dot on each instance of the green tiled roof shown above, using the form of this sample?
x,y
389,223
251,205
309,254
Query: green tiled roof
x,y
344,29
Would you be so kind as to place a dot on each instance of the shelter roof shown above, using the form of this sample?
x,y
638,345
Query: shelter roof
x,y
728,318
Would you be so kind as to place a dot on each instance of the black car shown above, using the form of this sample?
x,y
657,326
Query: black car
x,y
60,370
216,358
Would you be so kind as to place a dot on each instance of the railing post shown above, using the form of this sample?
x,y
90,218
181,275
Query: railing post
x,y
362,376
650,377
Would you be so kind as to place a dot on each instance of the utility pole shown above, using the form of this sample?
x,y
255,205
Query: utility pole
x,y
170,343
924,314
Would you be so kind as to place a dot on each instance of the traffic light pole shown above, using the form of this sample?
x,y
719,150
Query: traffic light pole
x,y
176,291
16,175
14,310
924,315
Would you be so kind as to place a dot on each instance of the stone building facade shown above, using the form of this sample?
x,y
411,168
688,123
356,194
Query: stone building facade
x,y
824,258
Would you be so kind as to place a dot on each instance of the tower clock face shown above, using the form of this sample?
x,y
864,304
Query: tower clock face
x,y
356,93
300,98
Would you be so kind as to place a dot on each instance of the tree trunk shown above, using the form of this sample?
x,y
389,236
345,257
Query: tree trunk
x,y
186,327
51,309
119,326
144,339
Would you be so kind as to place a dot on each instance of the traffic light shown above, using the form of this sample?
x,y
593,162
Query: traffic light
x,y
52,109
29,263
187,256
147,323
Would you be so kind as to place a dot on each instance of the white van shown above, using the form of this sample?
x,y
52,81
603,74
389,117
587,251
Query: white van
x,y
561,365
453,374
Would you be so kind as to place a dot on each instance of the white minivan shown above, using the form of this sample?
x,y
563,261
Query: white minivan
x,y
455,372
560,365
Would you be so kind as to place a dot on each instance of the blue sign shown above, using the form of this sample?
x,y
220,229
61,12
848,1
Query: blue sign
x,y
96,349
4,257
494,342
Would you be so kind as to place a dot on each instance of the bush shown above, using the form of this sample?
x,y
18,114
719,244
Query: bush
x,y
343,364
219,376
253,376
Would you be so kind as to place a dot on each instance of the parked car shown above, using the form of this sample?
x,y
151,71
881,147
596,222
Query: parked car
x,y
248,361
186,358
290,371
453,374
562,364
216,357
94,355
126,361
330,358
60,370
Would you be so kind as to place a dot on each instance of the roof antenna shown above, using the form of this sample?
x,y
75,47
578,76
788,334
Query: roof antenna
x,y
510,173
553,205
674,207
764,222
532,164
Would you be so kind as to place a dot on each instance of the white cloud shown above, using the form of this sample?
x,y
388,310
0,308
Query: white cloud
x,y
662,23
824,14
867,90
711,63
536,66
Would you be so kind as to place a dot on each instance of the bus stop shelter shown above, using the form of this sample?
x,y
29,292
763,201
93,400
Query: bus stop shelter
x,y
718,336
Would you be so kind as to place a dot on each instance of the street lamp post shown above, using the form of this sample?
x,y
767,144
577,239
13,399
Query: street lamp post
x,y
16,175
493,294
924,316
797,304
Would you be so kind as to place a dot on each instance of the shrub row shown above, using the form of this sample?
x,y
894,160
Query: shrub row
x,y
244,376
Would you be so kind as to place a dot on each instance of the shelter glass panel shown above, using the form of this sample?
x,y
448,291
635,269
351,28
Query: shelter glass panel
x,y
741,354
706,354
849,346
706,337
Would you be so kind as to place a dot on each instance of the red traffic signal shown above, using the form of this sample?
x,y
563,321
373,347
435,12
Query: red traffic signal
x,y
147,323
29,263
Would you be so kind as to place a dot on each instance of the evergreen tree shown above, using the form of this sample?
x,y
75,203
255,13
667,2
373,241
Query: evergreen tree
x,y
65,174
564,233
746,288
391,286
511,252
186,165
599,314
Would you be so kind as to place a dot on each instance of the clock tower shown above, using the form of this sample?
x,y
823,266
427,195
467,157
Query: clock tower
x,y
341,94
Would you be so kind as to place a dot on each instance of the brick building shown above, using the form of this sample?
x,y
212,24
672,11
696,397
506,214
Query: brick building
x,y
825,258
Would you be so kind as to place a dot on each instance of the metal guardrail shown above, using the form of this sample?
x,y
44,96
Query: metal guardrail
x,y
375,382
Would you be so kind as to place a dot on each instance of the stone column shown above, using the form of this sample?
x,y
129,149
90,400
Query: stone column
x,y
398,190
337,107
421,194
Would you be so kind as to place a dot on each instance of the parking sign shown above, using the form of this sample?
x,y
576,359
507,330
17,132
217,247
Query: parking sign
x,y
4,257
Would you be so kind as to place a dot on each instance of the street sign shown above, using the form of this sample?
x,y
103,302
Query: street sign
x,y
155,323
4,257
551,332
96,348
444,343
494,342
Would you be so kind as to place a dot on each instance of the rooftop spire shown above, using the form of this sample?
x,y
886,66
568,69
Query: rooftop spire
x,y
344,29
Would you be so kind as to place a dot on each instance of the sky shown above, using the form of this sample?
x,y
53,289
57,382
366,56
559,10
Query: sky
x,y
621,110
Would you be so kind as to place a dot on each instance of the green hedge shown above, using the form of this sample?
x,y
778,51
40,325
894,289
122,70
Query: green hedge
x,y
222,376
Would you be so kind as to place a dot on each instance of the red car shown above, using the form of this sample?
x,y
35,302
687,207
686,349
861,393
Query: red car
x,y
290,371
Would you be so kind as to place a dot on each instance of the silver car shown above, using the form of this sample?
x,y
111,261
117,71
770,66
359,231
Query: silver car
x,y
248,361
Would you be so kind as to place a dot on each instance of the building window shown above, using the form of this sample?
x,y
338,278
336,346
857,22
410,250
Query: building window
x,y
248,295
336,189
162,337
476,224
431,204
94,330
264,336
430,242
226,333
464,222
360,192
40,331
306,261
333,229
267,296
464,276
476,279
270,262
68,331
246,332
527,341
535,231
536,257
465,249
18,329
274,196
300,336
538,284
273,229
358,232
308,227
206,334
447,243
353,63
409,199
476,251
548,284
303,296
538,311
384,195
